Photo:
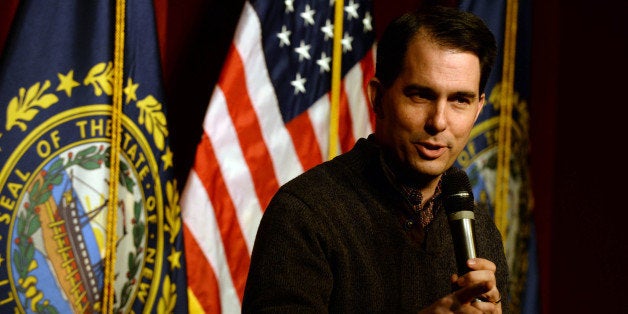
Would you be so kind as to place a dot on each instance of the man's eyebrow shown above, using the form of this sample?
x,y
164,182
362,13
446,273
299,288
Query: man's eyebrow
x,y
429,91
462,94
419,88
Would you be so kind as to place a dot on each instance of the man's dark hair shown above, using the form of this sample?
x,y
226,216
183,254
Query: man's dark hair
x,y
447,26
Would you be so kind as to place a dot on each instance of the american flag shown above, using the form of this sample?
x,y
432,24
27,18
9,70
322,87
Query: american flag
x,y
268,120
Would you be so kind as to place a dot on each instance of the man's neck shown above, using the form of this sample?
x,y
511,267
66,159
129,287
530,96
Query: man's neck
x,y
407,176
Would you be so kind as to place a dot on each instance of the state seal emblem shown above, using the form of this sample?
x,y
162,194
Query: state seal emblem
x,y
54,198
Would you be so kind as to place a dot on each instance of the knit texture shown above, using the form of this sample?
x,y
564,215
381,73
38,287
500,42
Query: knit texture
x,y
336,239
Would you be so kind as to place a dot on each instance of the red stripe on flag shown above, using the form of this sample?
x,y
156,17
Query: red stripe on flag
x,y
368,71
206,166
205,287
305,143
233,84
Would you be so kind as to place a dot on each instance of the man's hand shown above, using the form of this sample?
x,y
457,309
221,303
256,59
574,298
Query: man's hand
x,y
476,291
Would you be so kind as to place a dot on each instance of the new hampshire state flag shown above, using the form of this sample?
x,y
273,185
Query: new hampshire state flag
x,y
496,157
89,208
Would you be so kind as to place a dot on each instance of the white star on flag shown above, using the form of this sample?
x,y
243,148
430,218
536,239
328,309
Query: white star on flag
x,y
299,84
284,36
328,30
346,42
367,22
303,50
308,15
289,5
352,10
323,62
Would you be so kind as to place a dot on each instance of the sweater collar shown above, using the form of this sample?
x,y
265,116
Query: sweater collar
x,y
399,179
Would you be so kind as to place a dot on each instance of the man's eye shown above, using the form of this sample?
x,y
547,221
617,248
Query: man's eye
x,y
421,97
416,97
462,100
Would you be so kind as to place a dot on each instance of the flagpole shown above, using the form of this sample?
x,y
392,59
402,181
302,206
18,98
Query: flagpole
x,y
505,118
335,81
116,127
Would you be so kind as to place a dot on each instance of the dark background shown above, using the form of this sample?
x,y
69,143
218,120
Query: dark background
x,y
579,95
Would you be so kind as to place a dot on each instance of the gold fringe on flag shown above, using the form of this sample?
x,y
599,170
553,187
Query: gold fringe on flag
x,y
334,111
116,127
505,118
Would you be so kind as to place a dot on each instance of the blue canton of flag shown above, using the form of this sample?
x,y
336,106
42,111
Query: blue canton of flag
x,y
298,41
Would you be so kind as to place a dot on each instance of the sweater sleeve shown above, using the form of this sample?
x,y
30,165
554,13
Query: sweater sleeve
x,y
288,271
490,246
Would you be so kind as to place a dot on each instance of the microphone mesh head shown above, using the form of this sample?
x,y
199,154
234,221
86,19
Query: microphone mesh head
x,y
457,191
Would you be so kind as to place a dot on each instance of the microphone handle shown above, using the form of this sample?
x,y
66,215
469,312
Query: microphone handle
x,y
461,224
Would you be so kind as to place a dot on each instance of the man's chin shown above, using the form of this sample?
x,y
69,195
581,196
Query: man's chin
x,y
432,168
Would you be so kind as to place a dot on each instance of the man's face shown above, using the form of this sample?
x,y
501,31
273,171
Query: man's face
x,y
426,116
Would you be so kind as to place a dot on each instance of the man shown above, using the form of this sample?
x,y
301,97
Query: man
x,y
367,231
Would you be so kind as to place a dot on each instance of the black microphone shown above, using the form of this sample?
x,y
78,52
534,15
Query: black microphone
x,y
459,205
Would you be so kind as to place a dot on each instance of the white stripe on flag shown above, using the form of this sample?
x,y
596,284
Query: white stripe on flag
x,y
222,134
198,216
260,88
319,116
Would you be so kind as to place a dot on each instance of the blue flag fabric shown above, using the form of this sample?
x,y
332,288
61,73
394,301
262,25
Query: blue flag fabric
x,y
56,87
512,206
311,35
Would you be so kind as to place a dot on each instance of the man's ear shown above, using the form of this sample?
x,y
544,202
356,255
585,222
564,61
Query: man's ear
x,y
375,93
482,101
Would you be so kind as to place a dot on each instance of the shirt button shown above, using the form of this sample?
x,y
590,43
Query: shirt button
x,y
409,224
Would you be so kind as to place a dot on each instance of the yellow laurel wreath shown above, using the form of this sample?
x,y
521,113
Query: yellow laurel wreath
x,y
155,120
100,77
168,297
24,107
173,210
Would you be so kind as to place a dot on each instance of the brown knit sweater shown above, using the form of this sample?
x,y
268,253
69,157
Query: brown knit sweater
x,y
335,239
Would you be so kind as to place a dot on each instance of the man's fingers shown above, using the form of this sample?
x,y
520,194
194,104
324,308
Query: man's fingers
x,y
469,293
489,299
481,264
478,286
486,306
